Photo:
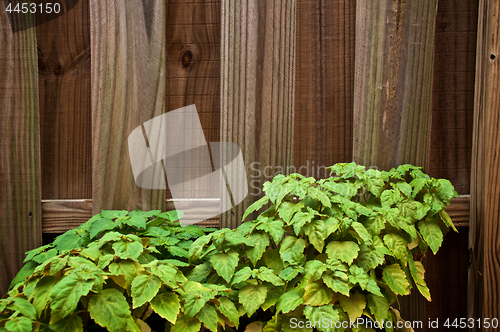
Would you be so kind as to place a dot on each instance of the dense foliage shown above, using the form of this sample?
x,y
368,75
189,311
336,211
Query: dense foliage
x,y
332,250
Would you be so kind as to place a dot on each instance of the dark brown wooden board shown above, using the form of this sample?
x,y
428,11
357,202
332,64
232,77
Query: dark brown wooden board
x,y
453,92
65,106
484,271
324,84
20,215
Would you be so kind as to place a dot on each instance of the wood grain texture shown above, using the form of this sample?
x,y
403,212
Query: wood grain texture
x,y
20,216
128,88
392,93
393,82
324,83
484,271
61,215
453,92
65,106
257,93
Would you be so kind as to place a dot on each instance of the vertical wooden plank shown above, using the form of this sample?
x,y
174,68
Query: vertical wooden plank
x,y
128,88
258,60
393,82
324,84
453,92
20,215
193,60
65,109
484,271
392,93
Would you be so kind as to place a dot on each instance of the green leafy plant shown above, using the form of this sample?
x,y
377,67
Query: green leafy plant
x,y
320,254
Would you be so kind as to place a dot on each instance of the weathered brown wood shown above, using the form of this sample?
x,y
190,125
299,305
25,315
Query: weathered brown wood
x,y
459,210
324,83
58,216
484,272
65,107
193,34
392,93
453,92
128,88
257,96
20,216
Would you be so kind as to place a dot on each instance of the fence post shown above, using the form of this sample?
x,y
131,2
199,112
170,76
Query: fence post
x,y
257,89
128,89
20,214
484,271
392,91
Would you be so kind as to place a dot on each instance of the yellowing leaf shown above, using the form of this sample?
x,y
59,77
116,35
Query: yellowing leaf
x,y
353,305
395,278
252,297
110,310
289,301
317,294
167,306
345,251
144,288
225,264
292,250
208,316
185,324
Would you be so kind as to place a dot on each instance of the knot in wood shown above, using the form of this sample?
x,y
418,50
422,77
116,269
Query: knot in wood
x,y
187,58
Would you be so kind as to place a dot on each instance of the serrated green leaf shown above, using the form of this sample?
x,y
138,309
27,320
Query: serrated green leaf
x,y
353,305
317,294
167,306
172,216
314,269
395,278
287,210
292,250
23,306
194,303
228,309
32,253
445,190
445,217
19,324
379,307
289,301
346,251
208,316
199,272
374,182
272,259
66,294
417,272
126,268
166,273
362,232
185,324
71,323
144,288
110,310
369,258
316,232
291,272
260,242
318,314
256,206
316,193
398,246
128,249
225,264
242,275
101,225
274,227
336,285
266,274
252,297
42,290
45,256
27,269
431,233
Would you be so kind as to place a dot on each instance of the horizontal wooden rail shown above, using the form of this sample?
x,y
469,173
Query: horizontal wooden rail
x,y
61,215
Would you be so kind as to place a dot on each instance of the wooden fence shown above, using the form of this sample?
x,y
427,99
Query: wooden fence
x,y
276,77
